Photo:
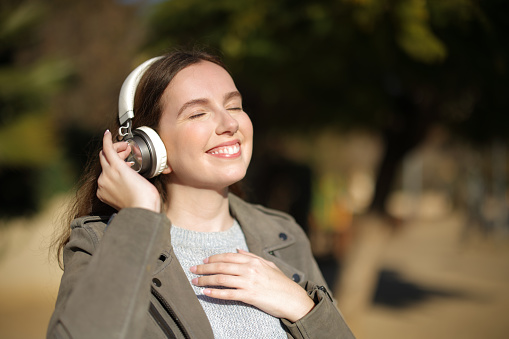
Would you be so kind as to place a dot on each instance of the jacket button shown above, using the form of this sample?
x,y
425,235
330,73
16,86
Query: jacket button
x,y
156,282
283,236
296,277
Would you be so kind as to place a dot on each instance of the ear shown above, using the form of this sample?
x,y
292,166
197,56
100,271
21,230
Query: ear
x,y
167,169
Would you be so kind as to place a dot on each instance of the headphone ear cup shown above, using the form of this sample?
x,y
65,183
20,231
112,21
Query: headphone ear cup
x,y
148,152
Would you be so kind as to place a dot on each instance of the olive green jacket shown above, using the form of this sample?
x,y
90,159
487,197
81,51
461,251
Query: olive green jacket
x,y
122,280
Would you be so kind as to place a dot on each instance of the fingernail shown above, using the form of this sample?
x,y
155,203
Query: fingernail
x,y
192,269
194,281
130,163
206,260
206,291
106,132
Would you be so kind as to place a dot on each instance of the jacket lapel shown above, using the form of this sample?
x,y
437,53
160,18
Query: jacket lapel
x,y
264,235
176,291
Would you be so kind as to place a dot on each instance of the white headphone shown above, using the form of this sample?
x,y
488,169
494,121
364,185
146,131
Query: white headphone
x,y
147,149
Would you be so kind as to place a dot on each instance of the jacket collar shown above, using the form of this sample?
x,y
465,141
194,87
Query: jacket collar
x,y
263,233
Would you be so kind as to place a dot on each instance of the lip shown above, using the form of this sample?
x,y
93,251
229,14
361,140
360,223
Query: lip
x,y
224,145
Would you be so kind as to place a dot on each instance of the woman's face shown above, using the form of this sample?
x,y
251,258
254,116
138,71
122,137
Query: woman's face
x,y
208,136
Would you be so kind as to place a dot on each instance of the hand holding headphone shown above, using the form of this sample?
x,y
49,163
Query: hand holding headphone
x,y
147,149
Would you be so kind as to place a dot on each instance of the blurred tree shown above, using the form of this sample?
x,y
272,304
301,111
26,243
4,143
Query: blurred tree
x,y
61,67
27,84
102,39
394,66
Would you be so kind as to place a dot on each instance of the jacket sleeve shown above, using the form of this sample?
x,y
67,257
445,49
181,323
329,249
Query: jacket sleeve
x,y
323,321
105,288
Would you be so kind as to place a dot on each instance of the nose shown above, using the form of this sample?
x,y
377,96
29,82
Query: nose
x,y
227,124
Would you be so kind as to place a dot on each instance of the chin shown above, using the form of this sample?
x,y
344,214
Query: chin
x,y
232,178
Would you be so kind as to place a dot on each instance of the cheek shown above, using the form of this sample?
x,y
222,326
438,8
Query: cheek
x,y
186,142
195,137
247,131
246,126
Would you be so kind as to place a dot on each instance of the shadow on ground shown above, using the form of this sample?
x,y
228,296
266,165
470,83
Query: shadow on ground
x,y
394,291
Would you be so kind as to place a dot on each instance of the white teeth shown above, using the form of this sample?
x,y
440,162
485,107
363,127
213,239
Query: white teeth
x,y
227,150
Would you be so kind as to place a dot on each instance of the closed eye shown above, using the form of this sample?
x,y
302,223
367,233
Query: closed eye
x,y
235,109
197,115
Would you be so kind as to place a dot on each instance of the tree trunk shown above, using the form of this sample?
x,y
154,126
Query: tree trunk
x,y
359,272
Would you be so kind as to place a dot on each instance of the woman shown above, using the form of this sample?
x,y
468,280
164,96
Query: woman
x,y
221,268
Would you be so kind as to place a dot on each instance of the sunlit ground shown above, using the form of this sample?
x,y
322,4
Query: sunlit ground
x,y
434,282
29,276
441,280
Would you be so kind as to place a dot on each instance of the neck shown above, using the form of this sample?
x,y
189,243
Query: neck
x,y
198,209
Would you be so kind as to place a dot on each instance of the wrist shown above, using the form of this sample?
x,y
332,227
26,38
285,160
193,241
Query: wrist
x,y
154,206
303,306
152,203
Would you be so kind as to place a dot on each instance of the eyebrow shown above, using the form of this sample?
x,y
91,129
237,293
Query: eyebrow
x,y
233,94
192,103
203,101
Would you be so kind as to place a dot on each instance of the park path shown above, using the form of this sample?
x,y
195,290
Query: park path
x,y
441,283
29,275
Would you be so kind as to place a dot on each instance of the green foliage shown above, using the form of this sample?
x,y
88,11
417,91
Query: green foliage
x,y
397,67
416,37
17,22
28,140
349,62
26,89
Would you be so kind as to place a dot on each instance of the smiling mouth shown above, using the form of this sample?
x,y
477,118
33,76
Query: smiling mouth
x,y
226,151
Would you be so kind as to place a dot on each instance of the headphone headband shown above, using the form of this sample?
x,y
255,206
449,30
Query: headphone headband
x,y
128,90
148,153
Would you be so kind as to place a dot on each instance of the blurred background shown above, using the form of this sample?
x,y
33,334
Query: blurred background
x,y
380,125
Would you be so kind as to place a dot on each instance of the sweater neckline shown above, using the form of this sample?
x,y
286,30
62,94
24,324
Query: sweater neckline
x,y
184,237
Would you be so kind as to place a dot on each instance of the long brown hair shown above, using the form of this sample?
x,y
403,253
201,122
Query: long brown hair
x,y
148,110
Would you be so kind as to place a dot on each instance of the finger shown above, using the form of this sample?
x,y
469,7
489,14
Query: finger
x,y
108,150
218,268
123,150
120,146
249,254
227,257
104,162
123,153
254,256
224,294
223,280
107,140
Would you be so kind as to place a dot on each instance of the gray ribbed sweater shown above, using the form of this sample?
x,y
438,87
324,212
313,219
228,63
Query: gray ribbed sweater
x,y
229,319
